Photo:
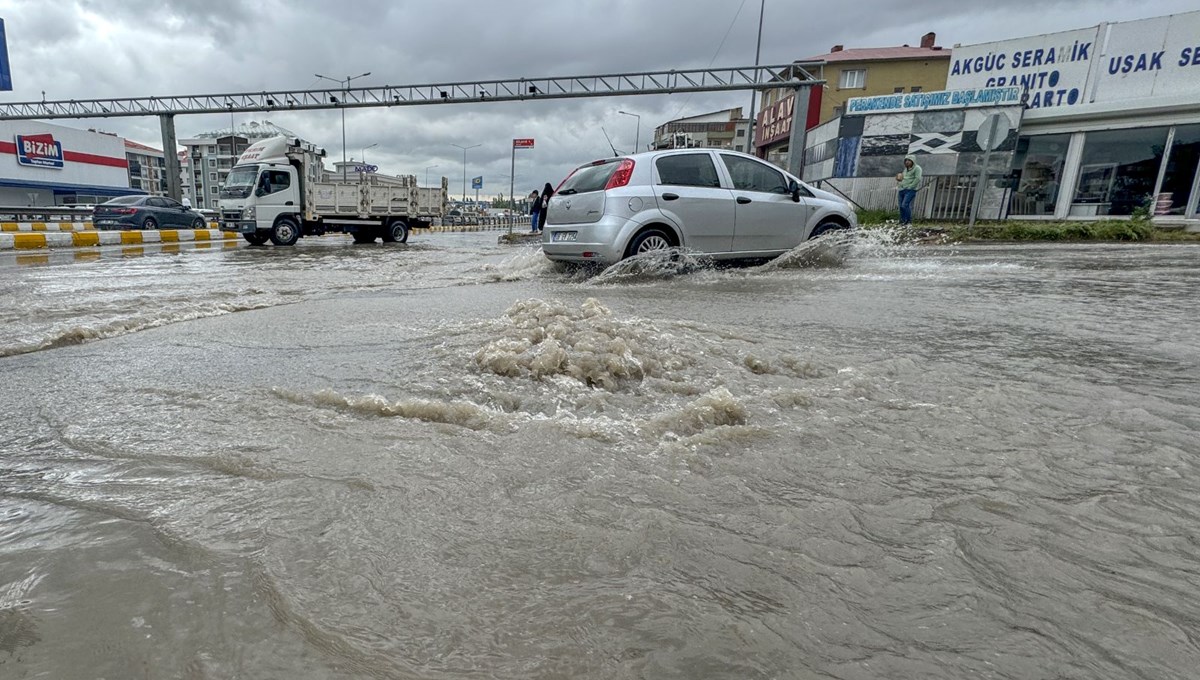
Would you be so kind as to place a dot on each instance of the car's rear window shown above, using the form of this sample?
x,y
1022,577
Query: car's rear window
x,y
126,200
589,178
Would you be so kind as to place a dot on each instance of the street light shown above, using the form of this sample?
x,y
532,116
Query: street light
x,y
638,139
464,150
427,174
345,83
364,152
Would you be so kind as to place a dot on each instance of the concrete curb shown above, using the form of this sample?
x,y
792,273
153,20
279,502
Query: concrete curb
x,y
77,239
56,226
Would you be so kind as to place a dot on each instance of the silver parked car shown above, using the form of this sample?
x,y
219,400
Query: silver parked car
x,y
727,204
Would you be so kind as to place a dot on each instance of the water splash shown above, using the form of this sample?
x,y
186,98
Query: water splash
x,y
527,264
654,266
543,339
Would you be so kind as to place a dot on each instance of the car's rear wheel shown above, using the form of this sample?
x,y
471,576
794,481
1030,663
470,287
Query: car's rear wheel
x,y
198,223
826,227
648,241
149,223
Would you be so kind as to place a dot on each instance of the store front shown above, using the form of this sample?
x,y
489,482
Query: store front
x,y
46,165
1105,123
1112,119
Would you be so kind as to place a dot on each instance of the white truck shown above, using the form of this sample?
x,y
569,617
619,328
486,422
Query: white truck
x,y
277,191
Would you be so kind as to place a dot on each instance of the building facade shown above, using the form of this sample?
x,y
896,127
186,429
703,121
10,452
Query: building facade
x,y
849,73
727,129
42,164
147,169
1112,117
208,158
1100,121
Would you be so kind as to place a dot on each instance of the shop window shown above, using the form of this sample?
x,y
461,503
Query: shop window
x,y
1040,160
853,79
1118,171
1181,171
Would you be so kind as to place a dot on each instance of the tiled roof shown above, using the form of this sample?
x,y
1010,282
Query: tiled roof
x,y
130,144
881,54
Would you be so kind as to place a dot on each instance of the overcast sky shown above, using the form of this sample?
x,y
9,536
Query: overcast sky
x,y
76,49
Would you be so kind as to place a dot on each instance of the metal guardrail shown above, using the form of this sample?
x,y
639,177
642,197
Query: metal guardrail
x,y
58,213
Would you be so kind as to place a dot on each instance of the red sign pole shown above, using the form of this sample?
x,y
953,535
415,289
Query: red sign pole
x,y
518,143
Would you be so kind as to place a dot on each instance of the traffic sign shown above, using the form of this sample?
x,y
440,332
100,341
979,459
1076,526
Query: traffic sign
x,y
993,131
523,143
477,182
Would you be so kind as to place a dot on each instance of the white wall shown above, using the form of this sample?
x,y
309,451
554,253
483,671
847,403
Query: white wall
x,y
72,140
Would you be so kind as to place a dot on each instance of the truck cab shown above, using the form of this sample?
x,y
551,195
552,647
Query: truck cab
x,y
263,196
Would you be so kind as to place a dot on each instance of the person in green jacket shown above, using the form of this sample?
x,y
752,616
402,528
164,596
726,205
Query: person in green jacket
x,y
910,181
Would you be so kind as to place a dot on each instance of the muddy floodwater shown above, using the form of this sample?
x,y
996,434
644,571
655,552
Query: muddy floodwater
x,y
452,459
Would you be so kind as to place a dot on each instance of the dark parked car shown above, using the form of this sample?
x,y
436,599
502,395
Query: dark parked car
x,y
146,212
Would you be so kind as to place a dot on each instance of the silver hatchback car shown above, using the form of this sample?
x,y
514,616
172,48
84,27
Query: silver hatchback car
x,y
726,204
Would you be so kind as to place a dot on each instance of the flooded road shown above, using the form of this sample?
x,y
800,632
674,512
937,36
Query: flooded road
x,y
454,460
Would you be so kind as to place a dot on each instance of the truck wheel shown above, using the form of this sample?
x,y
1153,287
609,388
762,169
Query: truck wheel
x,y
284,233
396,232
363,236
257,238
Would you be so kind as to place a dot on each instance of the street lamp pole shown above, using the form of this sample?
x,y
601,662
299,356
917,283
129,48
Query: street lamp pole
x,y
364,152
637,140
345,83
464,150
427,174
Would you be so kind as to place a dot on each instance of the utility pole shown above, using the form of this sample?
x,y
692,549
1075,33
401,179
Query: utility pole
x,y
345,83
754,93
637,140
464,150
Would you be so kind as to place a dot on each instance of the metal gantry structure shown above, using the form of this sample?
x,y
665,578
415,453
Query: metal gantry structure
x,y
796,76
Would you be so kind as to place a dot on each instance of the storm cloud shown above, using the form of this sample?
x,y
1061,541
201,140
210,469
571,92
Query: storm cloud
x,y
95,48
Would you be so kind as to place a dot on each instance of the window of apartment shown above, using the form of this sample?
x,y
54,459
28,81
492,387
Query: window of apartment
x,y
741,132
213,191
212,176
212,162
897,90
915,88
853,79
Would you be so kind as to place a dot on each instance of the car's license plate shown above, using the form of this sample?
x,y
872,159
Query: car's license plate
x,y
106,222
564,235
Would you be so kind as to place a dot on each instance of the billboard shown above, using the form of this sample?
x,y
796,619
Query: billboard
x,y
1051,68
932,101
1127,61
1157,57
40,150
477,182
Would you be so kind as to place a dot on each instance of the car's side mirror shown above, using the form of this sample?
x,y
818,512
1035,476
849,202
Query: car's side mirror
x,y
795,189
259,192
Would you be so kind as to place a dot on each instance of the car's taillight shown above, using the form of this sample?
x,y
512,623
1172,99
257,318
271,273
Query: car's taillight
x,y
621,176
123,211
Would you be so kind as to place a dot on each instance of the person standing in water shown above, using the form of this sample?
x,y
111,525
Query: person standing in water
x,y
547,192
535,211
910,181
